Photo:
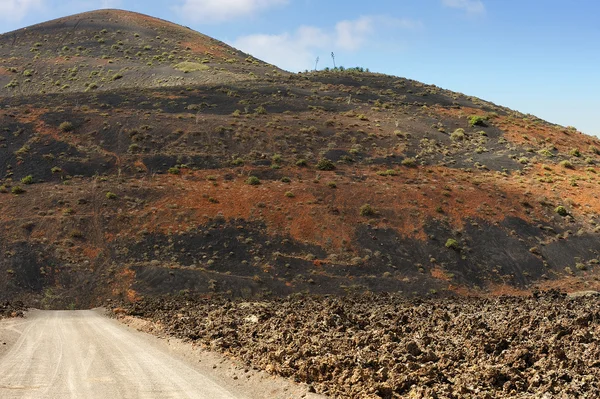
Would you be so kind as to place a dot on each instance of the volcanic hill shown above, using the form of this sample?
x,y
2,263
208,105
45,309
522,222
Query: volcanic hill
x,y
139,157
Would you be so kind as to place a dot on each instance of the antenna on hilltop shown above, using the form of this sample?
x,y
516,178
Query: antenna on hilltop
x,y
316,63
333,58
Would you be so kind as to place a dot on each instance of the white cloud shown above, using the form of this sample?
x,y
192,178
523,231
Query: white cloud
x,y
298,50
351,35
16,10
472,7
213,11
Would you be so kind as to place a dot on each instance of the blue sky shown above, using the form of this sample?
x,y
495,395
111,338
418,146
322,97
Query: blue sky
x,y
535,56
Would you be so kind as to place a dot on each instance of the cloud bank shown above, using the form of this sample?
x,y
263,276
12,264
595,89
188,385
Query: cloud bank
x,y
215,11
296,51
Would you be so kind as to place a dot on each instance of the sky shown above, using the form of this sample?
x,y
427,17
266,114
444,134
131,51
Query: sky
x,y
535,56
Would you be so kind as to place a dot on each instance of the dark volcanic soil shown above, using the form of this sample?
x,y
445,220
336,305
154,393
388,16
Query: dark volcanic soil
x,y
544,346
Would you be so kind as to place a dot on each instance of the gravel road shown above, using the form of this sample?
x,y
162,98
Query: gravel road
x,y
82,354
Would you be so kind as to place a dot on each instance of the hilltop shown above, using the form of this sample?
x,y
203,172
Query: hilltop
x,y
112,49
140,158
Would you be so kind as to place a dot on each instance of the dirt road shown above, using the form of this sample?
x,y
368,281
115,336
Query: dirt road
x,y
82,354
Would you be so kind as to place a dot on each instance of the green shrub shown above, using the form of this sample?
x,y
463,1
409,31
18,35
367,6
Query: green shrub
x,y
566,164
289,194
367,210
580,266
325,164
17,190
117,76
409,162
458,134
389,172
174,170
56,169
546,153
188,67
451,243
561,210
66,126
111,196
476,120
253,181
575,152
301,162
27,179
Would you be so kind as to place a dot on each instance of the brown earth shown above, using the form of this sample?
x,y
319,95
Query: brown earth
x,y
127,145
386,346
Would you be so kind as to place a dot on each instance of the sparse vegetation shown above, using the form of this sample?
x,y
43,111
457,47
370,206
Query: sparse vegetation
x,y
325,164
17,190
367,210
476,120
451,243
66,127
253,181
561,210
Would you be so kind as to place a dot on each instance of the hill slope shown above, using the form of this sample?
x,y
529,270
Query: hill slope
x,y
246,180
112,49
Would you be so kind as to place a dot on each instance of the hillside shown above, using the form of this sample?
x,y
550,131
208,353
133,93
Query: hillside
x,y
242,179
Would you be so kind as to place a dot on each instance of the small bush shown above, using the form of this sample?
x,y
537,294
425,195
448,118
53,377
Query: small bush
x,y
301,162
575,152
561,210
174,171
117,76
17,190
111,196
389,172
546,153
451,243
289,194
458,135
475,120
66,126
580,266
325,164
56,169
409,162
188,67
27,179
566,164
253,181
367,210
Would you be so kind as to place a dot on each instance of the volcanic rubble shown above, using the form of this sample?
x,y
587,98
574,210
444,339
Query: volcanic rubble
x,y
372,346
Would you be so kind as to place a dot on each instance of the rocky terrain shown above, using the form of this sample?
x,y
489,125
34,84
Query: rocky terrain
x,y
386,346
8,309
140,158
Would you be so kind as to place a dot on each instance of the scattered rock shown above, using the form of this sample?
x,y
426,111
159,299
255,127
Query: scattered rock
x,y
387,346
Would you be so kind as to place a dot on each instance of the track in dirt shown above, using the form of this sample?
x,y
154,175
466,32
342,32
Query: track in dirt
x,y
68,354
